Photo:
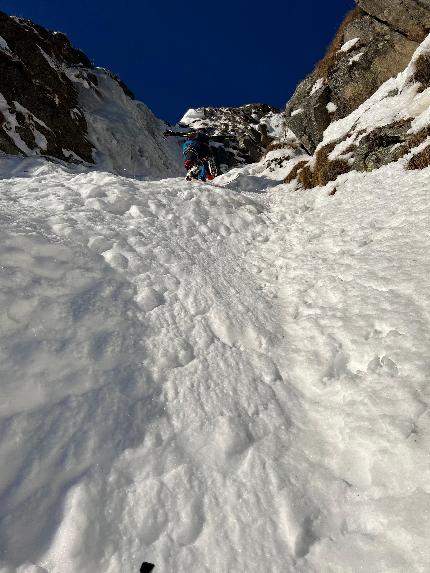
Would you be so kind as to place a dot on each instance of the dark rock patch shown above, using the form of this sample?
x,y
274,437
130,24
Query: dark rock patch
x,y
39,103
422,71
146,567
382,145
33,77
420,160
306,113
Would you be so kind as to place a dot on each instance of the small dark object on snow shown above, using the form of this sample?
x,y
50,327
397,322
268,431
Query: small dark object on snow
x,y
146,567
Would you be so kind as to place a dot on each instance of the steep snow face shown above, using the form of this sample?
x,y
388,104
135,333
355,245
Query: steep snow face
x,y
126,135
213,381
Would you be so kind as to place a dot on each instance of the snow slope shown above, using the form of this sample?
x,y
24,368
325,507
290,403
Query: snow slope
x,y
126,135
213,381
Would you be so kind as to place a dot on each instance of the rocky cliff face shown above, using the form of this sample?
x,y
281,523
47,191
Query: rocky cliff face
x,y
244,132
53,102
392,125
39,109
408,17
375,42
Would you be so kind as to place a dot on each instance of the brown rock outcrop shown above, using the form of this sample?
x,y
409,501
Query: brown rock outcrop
x,y
375,42
409,17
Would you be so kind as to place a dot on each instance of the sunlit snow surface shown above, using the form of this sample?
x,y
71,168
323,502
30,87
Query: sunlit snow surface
x,y
213,381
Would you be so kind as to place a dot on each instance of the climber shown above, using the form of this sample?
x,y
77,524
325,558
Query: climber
x,y
198,158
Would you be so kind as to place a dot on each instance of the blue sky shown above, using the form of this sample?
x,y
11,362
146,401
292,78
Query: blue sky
x,y
175,55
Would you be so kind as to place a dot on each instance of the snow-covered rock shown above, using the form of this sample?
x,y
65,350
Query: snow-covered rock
x,y
248,130
271,170
39,109
367,50
392,124
70,110
53,102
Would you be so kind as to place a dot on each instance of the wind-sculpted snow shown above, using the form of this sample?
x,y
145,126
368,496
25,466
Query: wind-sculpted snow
x,y
212,381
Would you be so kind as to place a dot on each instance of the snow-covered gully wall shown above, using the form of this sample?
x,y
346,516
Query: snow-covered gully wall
x,y
54,102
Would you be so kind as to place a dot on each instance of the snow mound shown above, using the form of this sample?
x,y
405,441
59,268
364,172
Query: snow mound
x,y
270,171
194,117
